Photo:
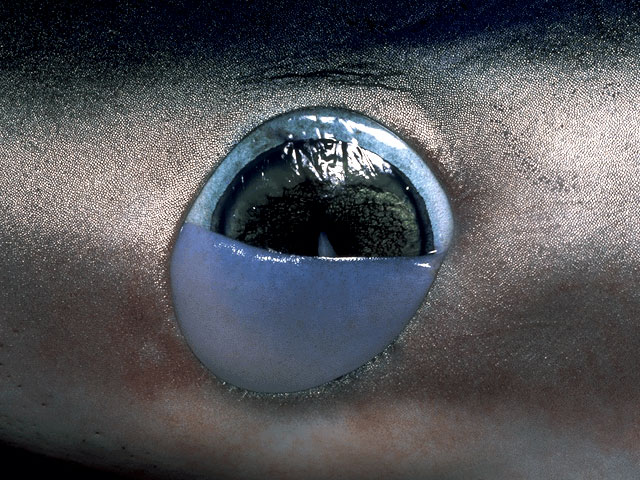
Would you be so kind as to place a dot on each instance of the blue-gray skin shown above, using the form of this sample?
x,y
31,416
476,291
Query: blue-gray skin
x,y
522,361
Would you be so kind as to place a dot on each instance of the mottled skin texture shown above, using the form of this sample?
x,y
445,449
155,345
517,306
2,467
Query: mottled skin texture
x,y
521,363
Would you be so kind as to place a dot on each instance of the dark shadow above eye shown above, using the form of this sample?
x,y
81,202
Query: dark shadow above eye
x,y
308,250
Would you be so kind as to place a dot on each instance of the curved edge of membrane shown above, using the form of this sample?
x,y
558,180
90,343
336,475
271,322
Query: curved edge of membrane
x,y
241,317
338,124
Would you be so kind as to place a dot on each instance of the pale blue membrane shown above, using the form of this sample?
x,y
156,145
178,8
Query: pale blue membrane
x,y
271,322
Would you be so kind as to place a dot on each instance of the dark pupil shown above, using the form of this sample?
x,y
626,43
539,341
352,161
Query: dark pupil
x,y
309,196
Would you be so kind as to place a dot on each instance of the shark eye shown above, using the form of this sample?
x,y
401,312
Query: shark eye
x,y
308,250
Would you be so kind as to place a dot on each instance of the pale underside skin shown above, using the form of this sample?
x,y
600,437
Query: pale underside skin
x,y
520,364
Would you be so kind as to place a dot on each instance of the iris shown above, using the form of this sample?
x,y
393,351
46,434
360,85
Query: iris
x,y
304,195
308,250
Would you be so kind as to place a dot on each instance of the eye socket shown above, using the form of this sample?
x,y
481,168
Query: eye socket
x,y
308,250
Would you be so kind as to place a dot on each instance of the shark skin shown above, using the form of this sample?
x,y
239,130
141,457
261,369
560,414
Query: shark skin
x,y
520,363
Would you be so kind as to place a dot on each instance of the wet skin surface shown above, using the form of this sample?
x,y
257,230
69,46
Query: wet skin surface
x,y
522,361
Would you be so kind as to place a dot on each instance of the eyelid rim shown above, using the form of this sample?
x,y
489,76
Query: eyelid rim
x,y
329,123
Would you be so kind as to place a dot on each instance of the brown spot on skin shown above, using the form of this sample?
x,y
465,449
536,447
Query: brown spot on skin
x,y
160,357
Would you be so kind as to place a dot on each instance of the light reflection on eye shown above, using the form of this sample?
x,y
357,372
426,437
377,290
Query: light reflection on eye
x,y
306,253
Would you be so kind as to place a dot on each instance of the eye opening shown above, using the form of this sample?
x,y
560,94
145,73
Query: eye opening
x,y
324,198
318,123
276,323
